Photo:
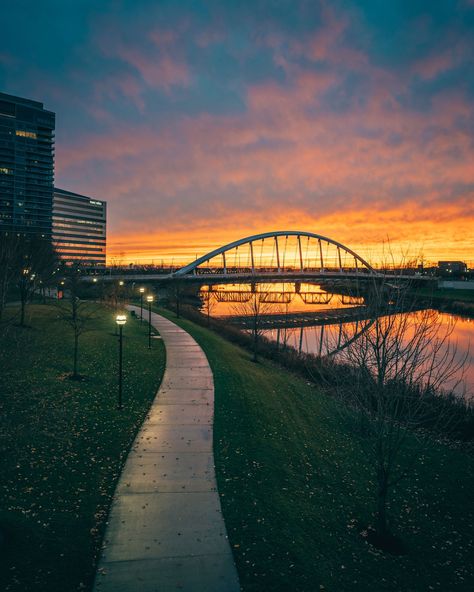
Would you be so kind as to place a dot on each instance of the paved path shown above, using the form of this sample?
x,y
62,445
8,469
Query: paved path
x,y
166,530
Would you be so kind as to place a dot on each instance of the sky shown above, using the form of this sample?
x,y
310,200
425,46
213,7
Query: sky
x,y
201,122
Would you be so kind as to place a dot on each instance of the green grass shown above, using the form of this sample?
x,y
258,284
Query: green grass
x,y
63,443
297,492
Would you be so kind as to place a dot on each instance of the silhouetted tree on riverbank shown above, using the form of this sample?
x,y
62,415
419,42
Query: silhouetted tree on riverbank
x,y
387,381
255,308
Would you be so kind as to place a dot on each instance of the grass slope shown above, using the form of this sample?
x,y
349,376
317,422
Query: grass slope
x,y
63,443
296,490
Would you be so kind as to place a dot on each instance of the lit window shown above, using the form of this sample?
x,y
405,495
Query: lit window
x,y
5,171
25,134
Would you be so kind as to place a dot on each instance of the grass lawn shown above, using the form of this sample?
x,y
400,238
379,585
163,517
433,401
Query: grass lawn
x,y
63,443
297,493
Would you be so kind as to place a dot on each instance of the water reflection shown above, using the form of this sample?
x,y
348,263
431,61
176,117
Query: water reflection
x,y
295,296
311,319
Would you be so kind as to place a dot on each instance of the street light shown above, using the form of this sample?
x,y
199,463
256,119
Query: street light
x,y
149,299
142,291
120,319
121,282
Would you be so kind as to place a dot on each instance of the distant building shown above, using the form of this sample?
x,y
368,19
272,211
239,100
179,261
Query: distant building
x,y
79,228
452,268
26,165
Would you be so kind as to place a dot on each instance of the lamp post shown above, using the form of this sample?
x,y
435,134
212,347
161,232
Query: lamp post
x,y
149,299
142,291
120,319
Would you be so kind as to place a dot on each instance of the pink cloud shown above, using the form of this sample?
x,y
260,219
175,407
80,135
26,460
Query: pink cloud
x,y
160,65
371,170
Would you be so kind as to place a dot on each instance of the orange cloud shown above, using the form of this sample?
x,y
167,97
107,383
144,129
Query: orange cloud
x,y
361,172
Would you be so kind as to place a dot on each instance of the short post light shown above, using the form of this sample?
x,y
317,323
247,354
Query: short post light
x,y
142,291
120,319
149,299
121,282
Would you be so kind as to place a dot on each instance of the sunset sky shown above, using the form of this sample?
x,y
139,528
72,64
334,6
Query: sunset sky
x,y
202,122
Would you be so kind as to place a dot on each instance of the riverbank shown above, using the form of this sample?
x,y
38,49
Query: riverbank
x,y
298,495
63,442
460,430
459,302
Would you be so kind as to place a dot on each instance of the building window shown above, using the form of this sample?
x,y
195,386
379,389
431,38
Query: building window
x,y
5,171
25,134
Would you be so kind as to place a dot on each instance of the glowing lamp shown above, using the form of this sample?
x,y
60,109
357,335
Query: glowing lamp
x,y
121,319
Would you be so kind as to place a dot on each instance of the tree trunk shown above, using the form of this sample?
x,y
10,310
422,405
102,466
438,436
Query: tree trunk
x,y
255,345
76,348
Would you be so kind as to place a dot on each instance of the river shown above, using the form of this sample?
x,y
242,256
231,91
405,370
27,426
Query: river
x,y
320,319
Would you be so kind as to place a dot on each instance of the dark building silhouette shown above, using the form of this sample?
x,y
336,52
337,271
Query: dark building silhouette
x,y
451,268
79,228
26,165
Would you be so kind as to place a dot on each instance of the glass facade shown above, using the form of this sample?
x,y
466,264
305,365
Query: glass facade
x,y
79,228
26,165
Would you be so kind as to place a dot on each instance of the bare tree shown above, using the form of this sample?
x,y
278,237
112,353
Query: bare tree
x,y
175,294
114,296
209,301
76,313
25,261
10,249
396,379
255,309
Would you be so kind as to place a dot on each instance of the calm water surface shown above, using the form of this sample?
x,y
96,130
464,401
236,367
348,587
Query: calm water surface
x,y
233,300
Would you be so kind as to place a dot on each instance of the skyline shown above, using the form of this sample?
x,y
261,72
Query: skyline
x,y
204,123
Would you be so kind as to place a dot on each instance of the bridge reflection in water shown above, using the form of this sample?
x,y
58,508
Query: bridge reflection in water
x,y
312,319
303,316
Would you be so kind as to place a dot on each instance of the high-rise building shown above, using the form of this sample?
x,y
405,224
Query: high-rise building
x,y
79,228
26,165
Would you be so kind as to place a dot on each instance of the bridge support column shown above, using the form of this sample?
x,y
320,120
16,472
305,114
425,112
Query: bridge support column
x,y
301,252
297,287
278,254
321,338
339,257
251,257
321,254
224,262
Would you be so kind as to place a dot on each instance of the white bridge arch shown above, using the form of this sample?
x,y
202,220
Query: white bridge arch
x,y
342,259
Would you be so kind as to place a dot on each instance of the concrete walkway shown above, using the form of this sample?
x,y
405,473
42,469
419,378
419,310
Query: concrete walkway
x,y
166,530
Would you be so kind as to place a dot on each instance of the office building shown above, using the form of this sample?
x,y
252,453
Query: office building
x,y
26,166
79,228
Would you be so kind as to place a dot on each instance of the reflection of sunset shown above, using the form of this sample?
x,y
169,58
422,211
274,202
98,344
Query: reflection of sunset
x,y
284,297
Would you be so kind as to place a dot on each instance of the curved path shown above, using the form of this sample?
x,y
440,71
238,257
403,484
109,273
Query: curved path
x,y
166,530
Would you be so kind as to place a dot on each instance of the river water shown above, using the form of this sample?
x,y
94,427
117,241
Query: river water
x,y
319,322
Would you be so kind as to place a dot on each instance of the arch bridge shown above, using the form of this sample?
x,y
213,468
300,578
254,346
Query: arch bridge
x,y
278,255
